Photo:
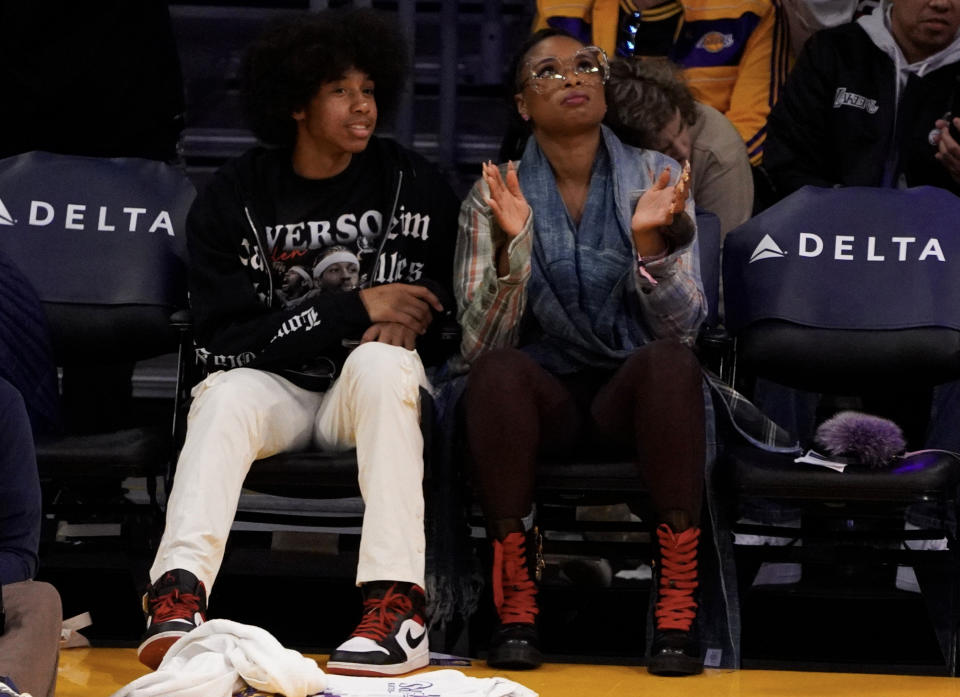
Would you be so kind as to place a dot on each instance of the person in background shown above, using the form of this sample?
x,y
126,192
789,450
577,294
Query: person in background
x,y
867,102
806,17
651,107
735,55
30,623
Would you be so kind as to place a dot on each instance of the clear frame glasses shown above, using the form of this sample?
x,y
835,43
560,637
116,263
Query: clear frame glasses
x,y
548,73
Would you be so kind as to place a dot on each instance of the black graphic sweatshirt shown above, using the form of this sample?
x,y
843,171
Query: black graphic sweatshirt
x,y
260,238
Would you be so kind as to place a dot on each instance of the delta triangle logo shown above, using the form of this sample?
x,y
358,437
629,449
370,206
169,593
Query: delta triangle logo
x,y
5,217
767,249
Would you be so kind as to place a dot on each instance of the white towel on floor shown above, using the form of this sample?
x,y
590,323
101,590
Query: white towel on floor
x,y
437,683
221,657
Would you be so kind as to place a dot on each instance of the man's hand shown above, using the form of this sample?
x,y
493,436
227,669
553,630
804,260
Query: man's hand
x,y
390,333
948,149
402,304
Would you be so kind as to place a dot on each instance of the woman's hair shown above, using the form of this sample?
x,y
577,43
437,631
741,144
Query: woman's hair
x,y
518,130
514,78
284,68
643,95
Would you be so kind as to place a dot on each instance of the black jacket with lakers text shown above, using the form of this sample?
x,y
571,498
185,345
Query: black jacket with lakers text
x,y
852,113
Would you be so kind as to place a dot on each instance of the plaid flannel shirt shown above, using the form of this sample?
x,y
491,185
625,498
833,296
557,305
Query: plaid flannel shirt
x,y
490,306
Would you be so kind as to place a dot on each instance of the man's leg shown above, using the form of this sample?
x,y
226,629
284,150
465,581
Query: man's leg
x,y
19,490
375,406
236,417
30,645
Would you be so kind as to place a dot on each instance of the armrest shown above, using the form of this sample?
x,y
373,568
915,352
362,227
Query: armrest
x,y
182,320
715,347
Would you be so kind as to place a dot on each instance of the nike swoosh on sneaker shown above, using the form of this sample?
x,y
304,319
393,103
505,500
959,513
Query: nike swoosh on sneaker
x,y
415,642
181,621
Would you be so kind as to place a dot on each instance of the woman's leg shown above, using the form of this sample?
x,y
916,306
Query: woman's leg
x,y
655,403
656,398
514,409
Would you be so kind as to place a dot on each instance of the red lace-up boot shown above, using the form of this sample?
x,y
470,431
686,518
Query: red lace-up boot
x,y
676,644
174,605
515,644
391,639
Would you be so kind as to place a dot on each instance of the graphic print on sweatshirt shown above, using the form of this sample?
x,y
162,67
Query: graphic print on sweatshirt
x,y
326,234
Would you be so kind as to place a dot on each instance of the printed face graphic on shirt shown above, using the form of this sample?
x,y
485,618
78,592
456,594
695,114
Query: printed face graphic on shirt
x,y
296,281
340,276
337,269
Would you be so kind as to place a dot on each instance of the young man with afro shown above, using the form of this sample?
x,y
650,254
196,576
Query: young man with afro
x,y
283,377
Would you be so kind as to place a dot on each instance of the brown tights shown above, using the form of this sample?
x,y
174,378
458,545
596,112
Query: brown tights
x,y
652,406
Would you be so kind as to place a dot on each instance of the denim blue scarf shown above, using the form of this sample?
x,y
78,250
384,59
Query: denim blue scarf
x,y
582,291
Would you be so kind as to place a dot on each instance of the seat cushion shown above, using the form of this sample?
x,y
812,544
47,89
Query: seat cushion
x,y
922,476
130,452
594,480
308,474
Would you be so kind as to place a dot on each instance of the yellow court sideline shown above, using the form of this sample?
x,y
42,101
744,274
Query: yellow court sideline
x,y
100,672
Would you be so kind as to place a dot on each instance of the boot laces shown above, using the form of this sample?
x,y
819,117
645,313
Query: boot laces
x,y
381,613
514,592
174,605
676,608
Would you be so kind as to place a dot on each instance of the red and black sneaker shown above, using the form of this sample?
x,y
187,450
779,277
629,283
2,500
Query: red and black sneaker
x,y
676,645
174,605
515,644
391,639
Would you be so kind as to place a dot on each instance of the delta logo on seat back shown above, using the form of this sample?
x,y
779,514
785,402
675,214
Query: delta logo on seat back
x,y
67,219
852,247
83,216
848,257
5,217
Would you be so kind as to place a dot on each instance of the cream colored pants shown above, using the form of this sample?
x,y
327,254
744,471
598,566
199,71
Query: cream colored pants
x,y
243,415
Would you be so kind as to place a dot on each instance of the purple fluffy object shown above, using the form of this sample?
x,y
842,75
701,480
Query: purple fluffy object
x,y
869,440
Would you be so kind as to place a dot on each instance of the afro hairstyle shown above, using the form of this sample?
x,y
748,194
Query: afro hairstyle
x,y
283,69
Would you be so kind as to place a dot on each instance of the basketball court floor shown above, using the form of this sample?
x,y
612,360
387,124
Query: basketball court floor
x,y
99,672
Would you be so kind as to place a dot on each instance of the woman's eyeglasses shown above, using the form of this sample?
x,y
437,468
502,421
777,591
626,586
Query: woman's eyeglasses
x,y
589,65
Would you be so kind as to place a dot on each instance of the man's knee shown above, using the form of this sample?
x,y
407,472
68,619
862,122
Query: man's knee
x,y
380,364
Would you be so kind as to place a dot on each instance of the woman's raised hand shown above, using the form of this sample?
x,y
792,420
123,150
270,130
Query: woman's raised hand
x,y
660,203
506,200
